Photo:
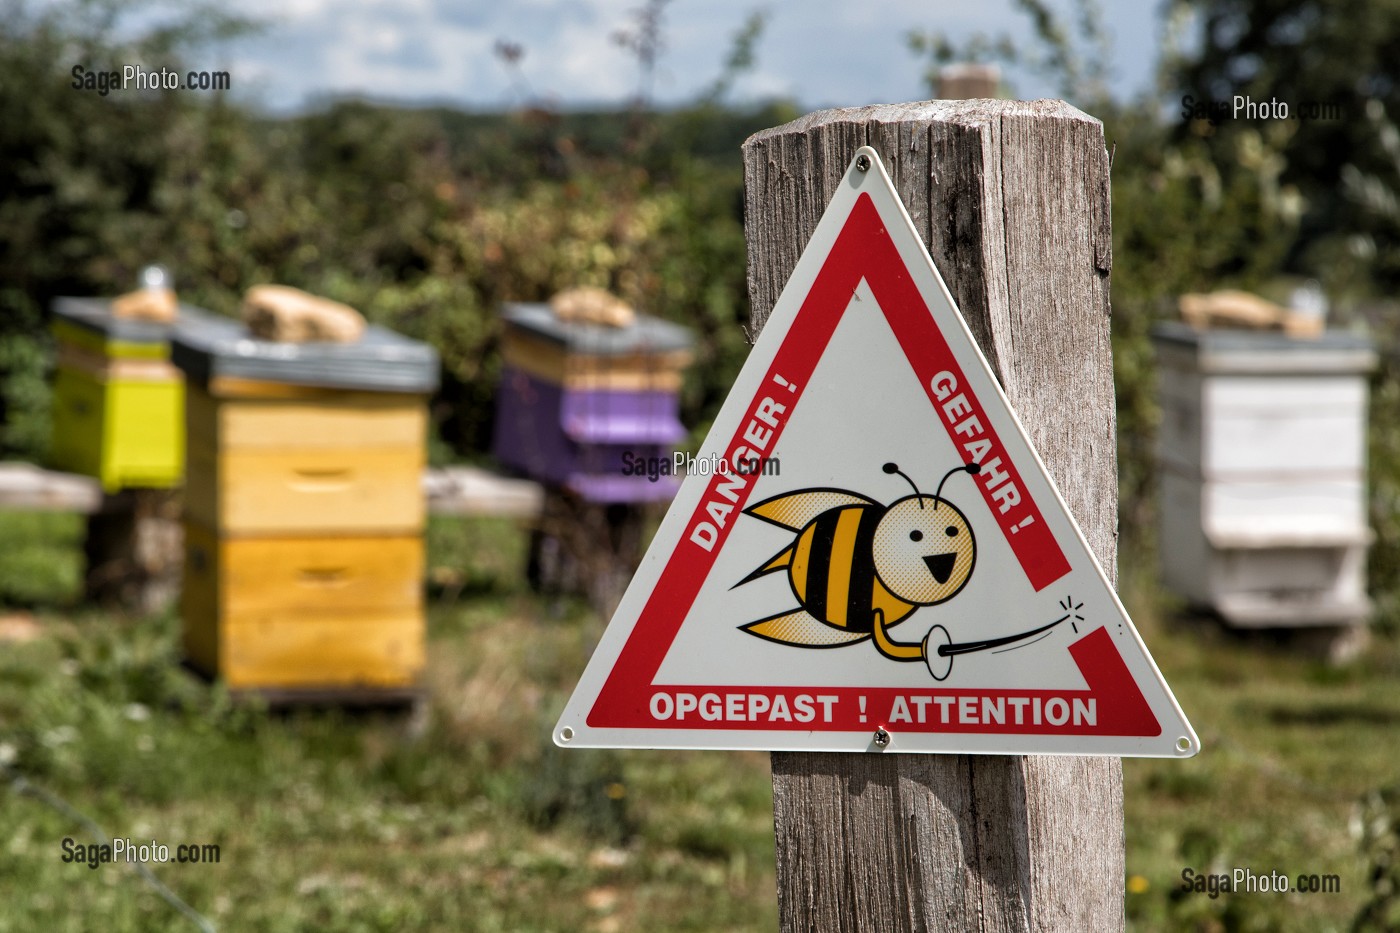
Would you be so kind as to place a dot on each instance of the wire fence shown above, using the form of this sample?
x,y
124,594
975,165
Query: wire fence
x,y
24,787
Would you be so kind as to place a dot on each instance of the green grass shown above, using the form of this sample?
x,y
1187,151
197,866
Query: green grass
x,y
1291,747
467,818
464,818
41,560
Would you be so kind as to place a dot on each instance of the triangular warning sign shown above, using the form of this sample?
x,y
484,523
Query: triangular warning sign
x,y
867,553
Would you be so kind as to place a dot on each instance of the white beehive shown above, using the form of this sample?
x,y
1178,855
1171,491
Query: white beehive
x,y
1262,456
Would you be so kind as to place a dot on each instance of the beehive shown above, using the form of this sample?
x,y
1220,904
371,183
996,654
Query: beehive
x,y
118,402
1262,457
304,509
580,403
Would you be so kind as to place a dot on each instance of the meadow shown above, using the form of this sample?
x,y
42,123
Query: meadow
x,y
462,815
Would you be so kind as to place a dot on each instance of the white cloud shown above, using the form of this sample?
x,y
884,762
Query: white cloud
x,y
820,52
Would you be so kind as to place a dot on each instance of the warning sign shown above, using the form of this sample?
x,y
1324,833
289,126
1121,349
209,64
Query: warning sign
x,y
878,560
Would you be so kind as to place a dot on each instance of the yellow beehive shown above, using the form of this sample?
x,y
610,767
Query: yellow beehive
x,y
117,399
303,524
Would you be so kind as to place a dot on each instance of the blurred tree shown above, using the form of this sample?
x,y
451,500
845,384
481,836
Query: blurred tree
x,y
1072,55
426,219
645,40
81,209
1333,64
741,58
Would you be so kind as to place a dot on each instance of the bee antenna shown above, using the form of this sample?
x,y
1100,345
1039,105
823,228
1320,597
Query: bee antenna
x,y
892,468
970,468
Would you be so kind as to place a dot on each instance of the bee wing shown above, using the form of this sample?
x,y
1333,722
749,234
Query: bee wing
x,y
778,561
795,510
803,629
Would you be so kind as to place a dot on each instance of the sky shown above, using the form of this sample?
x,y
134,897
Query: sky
x,y
817,53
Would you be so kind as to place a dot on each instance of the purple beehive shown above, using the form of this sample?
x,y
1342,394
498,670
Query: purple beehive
x,y
591,408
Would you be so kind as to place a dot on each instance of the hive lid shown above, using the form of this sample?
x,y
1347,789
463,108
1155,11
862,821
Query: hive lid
x,y
646,335
95,315
380,361
1248,351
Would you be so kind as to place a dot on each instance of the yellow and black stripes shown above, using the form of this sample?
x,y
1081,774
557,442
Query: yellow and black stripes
x,y
833,577
832,573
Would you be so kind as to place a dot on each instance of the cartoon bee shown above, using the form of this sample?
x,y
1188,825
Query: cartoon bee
x,y
858,568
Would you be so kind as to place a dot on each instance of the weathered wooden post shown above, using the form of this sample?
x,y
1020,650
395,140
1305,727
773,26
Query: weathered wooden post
x,y
1012,200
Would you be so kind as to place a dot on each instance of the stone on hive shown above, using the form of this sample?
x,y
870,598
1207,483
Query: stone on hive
x,y
591,305
1231,307
290,315
147,304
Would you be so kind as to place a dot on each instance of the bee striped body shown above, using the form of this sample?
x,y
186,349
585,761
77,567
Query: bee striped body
x,y
832,571
858,567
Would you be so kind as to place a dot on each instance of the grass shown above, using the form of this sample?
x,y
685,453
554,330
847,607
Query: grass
x,y
1291,749
42,560
465,817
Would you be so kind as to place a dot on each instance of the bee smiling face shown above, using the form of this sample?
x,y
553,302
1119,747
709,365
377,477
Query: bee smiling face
x,y
924,550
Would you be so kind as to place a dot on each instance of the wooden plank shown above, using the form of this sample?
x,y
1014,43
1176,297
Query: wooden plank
x,y
377,650
379,419
635,372
384,649
304,574
523,348
134,553
100,366
463,491
1012,200
466,490
306,492
127,433
66,332
354,695
24,486
238,387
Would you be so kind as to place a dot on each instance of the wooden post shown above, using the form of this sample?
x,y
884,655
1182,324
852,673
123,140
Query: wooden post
x,y
1012,199
135,549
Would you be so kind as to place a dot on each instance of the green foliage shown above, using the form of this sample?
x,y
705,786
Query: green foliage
x,y
465,816
90,179
1072,56
427,220
1340,54
1200,204
1380,842
42,561
1337,174
460,815
1384,474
